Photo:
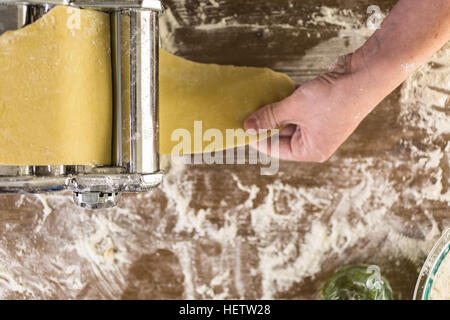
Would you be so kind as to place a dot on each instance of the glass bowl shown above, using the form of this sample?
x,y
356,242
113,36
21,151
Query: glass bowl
x,y
431,267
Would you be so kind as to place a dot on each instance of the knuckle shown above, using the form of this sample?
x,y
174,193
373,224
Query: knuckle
x,y
269,119
323,157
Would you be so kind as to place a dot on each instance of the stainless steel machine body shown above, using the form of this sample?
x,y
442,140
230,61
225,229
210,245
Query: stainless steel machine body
x,y
101,186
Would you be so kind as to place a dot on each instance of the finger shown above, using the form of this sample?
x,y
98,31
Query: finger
x,y
290,148
286,131
273,115
283,151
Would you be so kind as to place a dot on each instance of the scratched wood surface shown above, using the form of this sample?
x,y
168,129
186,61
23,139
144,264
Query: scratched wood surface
x,y
165,260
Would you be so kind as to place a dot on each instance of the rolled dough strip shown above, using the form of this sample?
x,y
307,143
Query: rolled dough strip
x,y
56,98
55,90
219,96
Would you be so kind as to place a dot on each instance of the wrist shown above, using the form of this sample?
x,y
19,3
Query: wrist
x,y
383,63
367,82
374,61
375,73
365,56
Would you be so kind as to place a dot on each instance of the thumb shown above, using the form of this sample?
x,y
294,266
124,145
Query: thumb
x,y
273,115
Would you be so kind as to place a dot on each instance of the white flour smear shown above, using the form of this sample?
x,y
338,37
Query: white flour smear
x,y
294,233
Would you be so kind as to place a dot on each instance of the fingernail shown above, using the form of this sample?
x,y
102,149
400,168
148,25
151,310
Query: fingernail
x,y
251,126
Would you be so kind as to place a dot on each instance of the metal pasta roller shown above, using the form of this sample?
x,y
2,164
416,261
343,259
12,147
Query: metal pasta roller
x,y
96,187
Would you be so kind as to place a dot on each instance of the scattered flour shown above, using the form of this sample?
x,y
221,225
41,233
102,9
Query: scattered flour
x,y
46,210
285,262
426,96
298,231
167,25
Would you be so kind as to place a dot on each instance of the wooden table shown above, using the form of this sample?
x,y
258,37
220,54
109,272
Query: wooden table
x,y
225,231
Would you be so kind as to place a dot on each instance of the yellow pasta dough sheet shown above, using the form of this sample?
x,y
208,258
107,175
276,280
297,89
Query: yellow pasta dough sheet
x,y
55,90
211,102
56,95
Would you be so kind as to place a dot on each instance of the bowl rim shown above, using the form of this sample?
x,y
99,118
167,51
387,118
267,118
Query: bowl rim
x,y
431,266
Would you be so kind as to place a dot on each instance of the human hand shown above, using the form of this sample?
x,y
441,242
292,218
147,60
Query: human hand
x,y
322,113
318,117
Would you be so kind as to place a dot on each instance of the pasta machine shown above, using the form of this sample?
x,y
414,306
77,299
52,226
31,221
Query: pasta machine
x,y
137,169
